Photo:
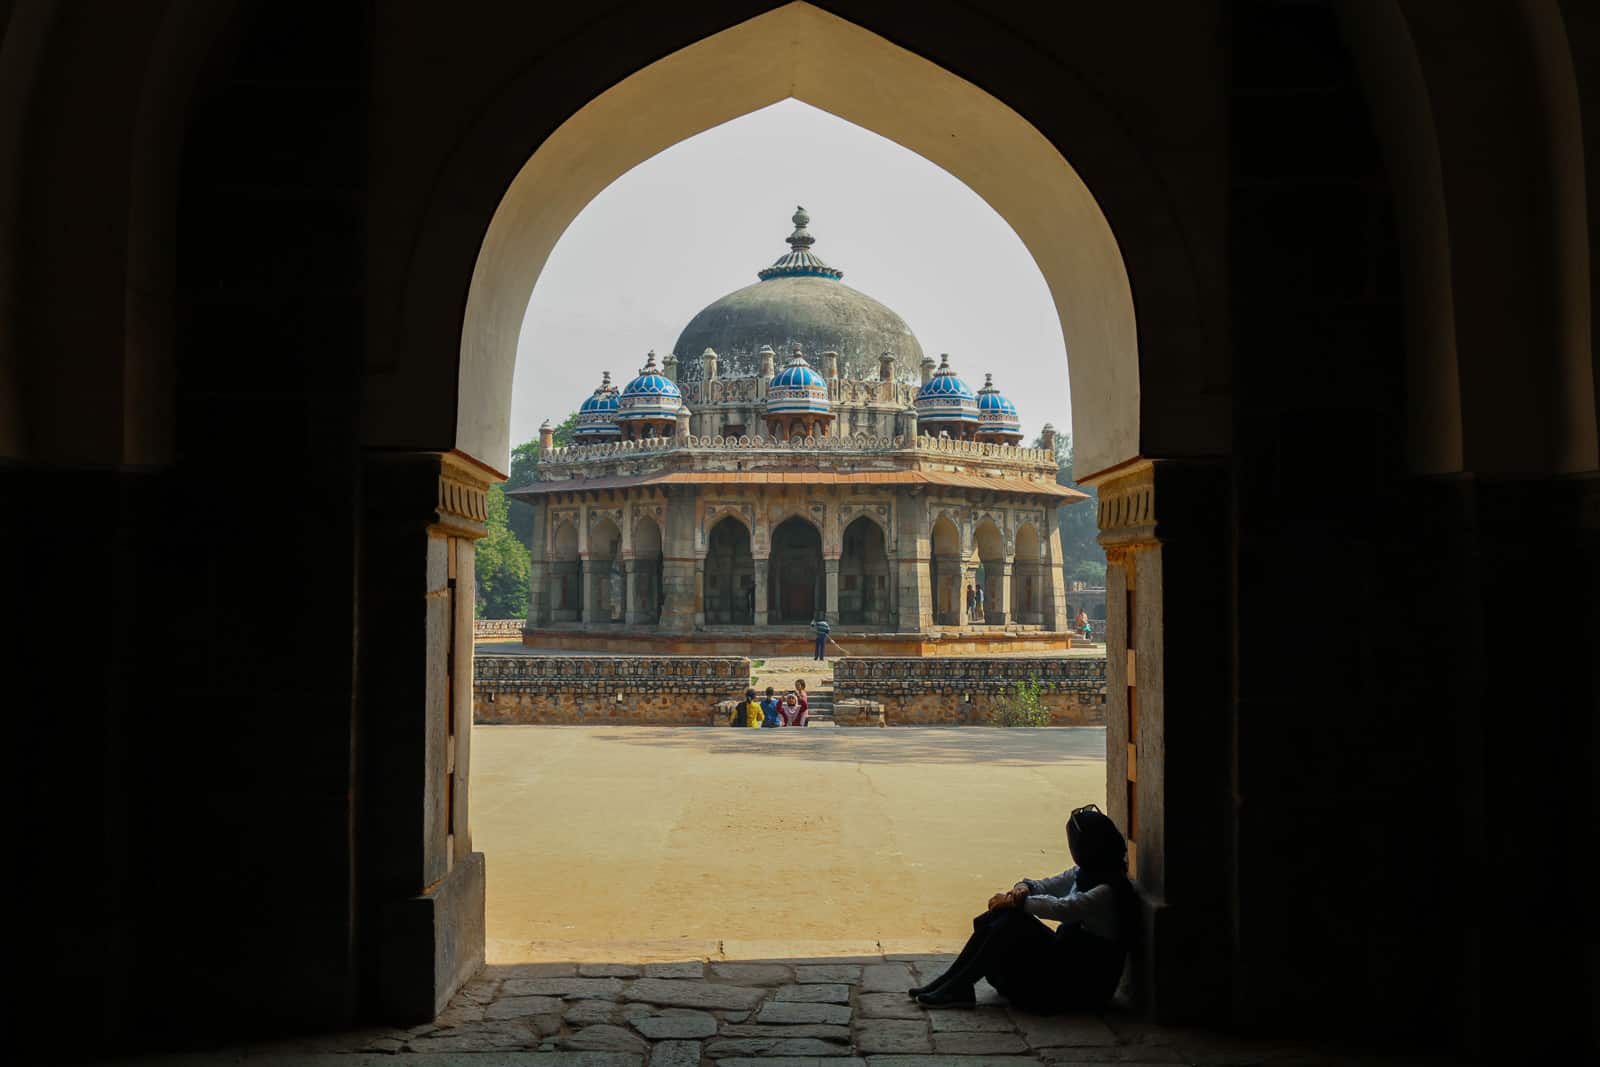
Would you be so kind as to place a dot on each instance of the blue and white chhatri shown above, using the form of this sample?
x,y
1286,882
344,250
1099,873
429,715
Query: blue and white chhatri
x,y
597,416
947,402
651,397
997,415
797,389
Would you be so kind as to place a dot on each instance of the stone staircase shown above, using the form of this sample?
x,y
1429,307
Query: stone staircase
x,y
821,707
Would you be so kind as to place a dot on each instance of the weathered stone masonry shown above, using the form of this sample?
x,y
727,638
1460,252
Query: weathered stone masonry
x,y
964,690
654,690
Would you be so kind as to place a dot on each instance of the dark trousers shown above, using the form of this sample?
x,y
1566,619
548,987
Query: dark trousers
x,y
822,646
1036,968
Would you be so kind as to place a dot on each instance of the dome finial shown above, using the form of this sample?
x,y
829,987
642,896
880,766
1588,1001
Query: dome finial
x,y
799,261
801,239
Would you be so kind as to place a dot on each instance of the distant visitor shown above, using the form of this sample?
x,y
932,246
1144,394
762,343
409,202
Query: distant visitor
x,y
747,712
820,624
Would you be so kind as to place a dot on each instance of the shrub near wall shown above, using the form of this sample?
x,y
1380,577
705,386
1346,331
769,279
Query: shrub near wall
x,y
655,690
964,690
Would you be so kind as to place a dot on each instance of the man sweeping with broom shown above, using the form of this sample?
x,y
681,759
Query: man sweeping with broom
x,y
820,624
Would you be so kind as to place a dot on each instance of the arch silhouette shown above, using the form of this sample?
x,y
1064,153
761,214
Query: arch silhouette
x,y
803,52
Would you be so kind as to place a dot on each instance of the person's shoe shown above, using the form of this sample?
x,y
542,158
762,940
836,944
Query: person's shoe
x,y
916,991
949,996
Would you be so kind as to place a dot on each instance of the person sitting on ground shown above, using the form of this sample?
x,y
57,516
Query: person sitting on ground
x,y
1079,964
789,710
748,712
803,714
769,709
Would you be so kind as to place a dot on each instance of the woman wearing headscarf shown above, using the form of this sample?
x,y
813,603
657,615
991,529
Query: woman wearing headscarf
x,y
1078,964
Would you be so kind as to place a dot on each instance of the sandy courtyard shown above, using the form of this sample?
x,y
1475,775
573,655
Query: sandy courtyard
x,y
639,842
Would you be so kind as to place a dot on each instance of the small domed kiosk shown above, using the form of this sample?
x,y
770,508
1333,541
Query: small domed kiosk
x,y
797,401
597,415
998,420
946,405
649,404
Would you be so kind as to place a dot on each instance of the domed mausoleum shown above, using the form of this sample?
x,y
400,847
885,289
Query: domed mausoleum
x,y
722,503
799,300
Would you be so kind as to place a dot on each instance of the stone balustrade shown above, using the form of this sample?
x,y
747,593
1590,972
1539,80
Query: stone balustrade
x,y
489,629
964,690
923,445
631,690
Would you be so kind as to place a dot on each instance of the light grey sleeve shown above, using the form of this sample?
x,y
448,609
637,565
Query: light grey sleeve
x,y
1055,886
1096,909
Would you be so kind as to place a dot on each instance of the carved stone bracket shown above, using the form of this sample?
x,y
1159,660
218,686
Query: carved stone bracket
x,y
463,505
1127,514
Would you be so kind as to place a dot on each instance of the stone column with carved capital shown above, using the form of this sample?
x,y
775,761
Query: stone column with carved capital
x,y
538,567
590,611
913,580
761,565
1002,599
831,586
632,615
679,553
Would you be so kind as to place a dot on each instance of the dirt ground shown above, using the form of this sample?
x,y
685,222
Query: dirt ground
x,y
638,842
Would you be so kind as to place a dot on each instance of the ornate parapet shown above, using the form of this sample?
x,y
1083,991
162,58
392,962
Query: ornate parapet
x,y
497,628
963,690
637,690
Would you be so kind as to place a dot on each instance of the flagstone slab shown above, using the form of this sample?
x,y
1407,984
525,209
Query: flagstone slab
x,y
819,993
804,952
847,973
751,973
522,1007
675,1054
676,969
982,1043
793,1061
952,1061
886,978
1064,1031
773,1046
821,1030
677,1024
969,1019
683,993
577,988
484,1037
892,1035
609,970
589,1012
604,1038
889,1006
803,1013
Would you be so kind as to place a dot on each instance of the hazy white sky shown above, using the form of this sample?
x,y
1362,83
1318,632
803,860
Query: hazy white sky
x,y
697,221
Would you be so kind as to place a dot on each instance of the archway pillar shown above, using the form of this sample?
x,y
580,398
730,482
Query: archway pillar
x,y
1165,529
680,565
911,566
1052,589
632,615
761,563
539,566
830,568
1003,605
423,912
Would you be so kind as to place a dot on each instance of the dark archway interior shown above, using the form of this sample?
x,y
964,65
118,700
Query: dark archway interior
x,y
1324,672
729,575
794,575
864,575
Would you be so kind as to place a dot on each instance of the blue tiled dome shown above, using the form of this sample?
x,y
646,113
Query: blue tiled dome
x,y
597,415
651,395
946,398
996,414
797,389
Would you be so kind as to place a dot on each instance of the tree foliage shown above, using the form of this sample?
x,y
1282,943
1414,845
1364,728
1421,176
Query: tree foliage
x,y
1082,558
503,563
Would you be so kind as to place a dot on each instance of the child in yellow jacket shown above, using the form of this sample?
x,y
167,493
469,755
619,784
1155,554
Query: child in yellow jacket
x,y
748,713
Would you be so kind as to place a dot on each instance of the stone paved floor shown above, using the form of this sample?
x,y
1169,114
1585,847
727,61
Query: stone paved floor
x,y
827,1012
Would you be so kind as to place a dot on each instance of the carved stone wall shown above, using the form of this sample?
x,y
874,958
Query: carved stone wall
x,y
963,691
653,690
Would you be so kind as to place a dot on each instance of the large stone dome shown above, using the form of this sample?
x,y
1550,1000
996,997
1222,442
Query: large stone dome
x,y
799,300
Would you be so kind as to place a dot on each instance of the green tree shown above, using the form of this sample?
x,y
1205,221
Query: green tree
x,y
523,460
502,563
1082,558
